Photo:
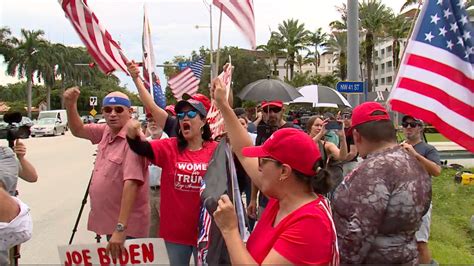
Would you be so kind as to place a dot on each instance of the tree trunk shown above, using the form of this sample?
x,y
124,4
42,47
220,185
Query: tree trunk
x,y
368,53
48,97
292,67
396,53
62,92
29,88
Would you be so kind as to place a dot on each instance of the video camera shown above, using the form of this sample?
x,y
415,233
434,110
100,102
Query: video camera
x,y
13,130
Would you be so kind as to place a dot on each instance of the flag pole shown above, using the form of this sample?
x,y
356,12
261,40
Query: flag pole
x,y
219,40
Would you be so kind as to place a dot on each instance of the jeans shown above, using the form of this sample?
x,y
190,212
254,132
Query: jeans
x,y
180,254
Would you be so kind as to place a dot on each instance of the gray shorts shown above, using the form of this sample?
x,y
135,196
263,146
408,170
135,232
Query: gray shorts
x,y
423,234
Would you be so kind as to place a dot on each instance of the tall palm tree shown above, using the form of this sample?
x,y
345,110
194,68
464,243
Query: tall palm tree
x,y
338,25
293,35
398,29
337,44
317,39
373,15
273,49
5,42
29,55
408,3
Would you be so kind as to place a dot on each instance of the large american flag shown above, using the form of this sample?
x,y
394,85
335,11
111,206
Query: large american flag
x,y
187,81
149,70
105,51
241,13
435,80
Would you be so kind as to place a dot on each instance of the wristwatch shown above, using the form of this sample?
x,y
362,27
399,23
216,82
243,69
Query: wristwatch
x,y
120,227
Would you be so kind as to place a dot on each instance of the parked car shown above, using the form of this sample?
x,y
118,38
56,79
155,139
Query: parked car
x,y
48,126
59,115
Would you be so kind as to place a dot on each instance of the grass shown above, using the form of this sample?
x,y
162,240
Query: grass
x,y
452,238
431,137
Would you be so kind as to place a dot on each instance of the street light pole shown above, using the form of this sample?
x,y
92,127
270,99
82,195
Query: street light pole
x,y
213,70
353,47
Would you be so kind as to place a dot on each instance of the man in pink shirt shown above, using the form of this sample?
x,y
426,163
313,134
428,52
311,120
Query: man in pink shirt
x,y
119,187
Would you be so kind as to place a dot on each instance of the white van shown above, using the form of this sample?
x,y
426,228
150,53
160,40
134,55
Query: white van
x,y
59,115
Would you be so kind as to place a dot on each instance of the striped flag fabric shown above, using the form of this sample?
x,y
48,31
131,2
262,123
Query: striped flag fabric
x,y
100,44
187,81
435,81
242,14
214,116
149,70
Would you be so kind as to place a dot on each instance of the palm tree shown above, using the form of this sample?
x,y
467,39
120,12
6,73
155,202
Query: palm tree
x,y
293,35
373,15
317,39
341,24
273,49
29,55
408,3
337,44
5,42
398,29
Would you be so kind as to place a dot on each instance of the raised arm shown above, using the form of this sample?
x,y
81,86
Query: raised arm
x,y
27,170
158,114
238,135
74,120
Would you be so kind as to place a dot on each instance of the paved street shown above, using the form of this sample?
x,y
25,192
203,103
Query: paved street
x,y
64,164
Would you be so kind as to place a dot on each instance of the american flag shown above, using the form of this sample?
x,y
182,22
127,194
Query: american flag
x,y
241,13
435,81
105,51
214,116
149,70
187,81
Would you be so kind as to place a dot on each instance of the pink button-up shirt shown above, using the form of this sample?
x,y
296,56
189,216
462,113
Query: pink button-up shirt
x,y
114,164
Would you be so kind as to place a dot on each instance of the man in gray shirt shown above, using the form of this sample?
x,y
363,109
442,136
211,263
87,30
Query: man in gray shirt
x,y
428,157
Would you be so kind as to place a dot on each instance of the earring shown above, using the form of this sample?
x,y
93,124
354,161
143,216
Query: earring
x,y
281,179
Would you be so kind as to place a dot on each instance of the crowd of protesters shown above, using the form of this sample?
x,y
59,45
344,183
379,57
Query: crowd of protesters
x,y
316,194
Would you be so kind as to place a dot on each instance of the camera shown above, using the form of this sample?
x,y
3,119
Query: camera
x,y
14,130
333,125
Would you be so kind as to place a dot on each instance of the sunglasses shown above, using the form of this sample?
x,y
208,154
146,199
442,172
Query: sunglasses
x,y
272,109
262,160
191,114
411,124
346,116
108,109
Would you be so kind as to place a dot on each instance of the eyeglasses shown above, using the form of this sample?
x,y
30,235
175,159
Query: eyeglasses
x,y
272,109
346,116
263,159
191,114
108,109
411,124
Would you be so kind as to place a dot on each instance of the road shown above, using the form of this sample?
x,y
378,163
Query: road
x,y
64,164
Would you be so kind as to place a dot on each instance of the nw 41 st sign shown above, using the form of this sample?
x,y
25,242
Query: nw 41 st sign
x,y
350,87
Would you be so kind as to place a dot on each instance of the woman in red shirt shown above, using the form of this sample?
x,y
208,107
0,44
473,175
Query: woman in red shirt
x,y
296,226
184,161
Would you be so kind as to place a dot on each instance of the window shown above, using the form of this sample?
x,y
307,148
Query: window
x,y
389,64
389,80
382,81
376,82
389,49
376,54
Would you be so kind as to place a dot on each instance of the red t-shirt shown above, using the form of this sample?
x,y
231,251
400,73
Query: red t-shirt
x,y
181,178
305,236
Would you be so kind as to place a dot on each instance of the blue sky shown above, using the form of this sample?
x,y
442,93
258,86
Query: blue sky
x,y
173,23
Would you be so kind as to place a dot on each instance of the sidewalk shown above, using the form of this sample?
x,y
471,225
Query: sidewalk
x,y
451,146
446,146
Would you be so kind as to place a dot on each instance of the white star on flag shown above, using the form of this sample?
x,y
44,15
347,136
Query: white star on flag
x,y
450,45
435,18
429,36
443,31
467,35
447,13
454,27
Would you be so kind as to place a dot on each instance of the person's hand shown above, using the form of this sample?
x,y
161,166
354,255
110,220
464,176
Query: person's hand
x,y
115,246
71,95
218,92
133,128
252,209
133,69
259,115
20,149
225,216
409,148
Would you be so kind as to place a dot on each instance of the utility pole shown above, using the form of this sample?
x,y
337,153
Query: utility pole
x,y
353,48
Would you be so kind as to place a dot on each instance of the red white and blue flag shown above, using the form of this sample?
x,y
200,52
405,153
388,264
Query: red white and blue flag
x,y
242,14
100,44
149,70
435,81
187,81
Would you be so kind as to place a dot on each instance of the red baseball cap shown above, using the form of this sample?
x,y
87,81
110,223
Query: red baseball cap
x,y
272,103
199,97
289,146
364,113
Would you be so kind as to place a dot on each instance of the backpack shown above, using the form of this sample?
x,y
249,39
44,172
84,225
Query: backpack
x,y
333,167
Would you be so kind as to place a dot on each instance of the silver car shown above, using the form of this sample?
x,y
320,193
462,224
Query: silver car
x,y
48,126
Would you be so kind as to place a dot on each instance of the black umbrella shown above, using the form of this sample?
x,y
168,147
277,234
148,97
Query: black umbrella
x,y
268,90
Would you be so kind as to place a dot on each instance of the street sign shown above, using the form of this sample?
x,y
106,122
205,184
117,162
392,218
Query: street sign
x,y
93,101
350,87
93,112
183,65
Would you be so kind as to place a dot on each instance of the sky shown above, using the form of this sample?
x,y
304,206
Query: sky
x,y
173,24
